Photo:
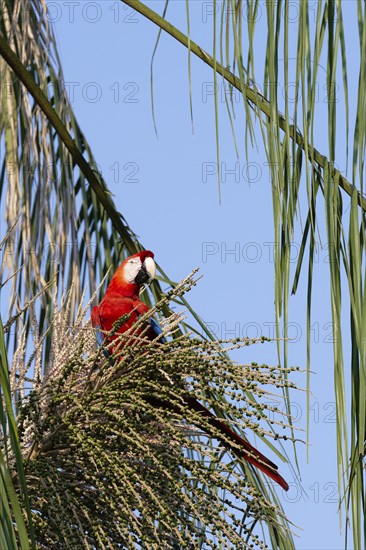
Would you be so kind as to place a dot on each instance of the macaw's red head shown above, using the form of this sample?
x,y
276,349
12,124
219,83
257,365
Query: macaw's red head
x,y
133,273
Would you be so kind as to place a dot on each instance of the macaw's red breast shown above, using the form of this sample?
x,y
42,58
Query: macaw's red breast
x,y
112,308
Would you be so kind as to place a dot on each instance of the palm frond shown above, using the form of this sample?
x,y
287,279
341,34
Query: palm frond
x,y
16,527
296,163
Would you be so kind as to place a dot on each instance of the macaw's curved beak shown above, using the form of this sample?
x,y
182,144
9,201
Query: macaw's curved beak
x,y
146,273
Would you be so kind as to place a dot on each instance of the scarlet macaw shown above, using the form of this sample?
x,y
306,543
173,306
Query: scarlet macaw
x,y
121,298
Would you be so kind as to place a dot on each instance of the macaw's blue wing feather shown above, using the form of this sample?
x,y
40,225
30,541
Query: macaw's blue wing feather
x,y
100,339
157,329
99,336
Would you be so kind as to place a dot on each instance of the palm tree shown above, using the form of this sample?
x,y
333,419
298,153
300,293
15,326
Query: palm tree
x,y
48,161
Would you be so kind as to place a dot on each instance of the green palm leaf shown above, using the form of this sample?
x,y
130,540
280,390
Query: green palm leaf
x,y
314,40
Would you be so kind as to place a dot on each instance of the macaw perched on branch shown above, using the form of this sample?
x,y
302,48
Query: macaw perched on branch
x,y
122,298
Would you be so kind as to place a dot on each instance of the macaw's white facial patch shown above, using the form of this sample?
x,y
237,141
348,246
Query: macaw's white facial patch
x,y
131,269
150,267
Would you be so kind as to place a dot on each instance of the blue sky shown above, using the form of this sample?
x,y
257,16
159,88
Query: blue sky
x,y
166,188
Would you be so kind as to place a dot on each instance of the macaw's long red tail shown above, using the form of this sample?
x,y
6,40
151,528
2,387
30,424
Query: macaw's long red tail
x,y
246,450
